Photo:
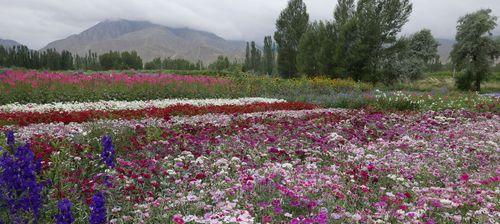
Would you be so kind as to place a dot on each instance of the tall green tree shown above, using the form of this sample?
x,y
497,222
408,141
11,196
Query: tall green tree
x,y
409,58
154,64
377,24
221,64
424,47
290,26
316,49
475,50
131,60
248,64
364,35
3,56
255,57
309,47
66,60
111,60
268,55
344,37
401,63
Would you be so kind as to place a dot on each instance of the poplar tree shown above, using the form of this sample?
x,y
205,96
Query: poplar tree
x,y
268,55
475,50
290,26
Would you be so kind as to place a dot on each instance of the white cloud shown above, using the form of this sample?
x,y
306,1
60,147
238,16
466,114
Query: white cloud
x,y
38,22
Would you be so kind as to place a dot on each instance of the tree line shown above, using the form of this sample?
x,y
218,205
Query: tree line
x,y
173,64
362,42
260,62
21,56
50,59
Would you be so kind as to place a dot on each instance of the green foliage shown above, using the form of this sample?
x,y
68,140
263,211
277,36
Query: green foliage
x,y
475,50
253,59
424,46
21,56
268,59
377,26
248,61
400,64
221,64
361,43
131,60
316,49
412,57
290,26
464,80
90,61
307,57
111,60
173,64
123,60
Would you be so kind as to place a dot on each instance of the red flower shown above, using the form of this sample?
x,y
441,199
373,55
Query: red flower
x,y
407,195
26,118
200,176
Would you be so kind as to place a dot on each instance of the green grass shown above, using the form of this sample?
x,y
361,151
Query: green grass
x,y
444,81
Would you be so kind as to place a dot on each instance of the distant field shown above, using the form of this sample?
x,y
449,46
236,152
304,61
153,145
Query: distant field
x,y
444,81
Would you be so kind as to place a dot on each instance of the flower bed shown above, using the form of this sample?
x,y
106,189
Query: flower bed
x,y
24,118
128,105
45,87
317,166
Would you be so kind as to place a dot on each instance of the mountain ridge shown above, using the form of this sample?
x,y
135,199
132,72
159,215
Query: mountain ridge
x,y
150,41
8,43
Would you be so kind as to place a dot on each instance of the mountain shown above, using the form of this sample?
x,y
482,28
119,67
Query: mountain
x,y
8,43
150,40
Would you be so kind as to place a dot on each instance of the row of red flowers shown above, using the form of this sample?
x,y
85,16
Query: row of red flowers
x,y
26,118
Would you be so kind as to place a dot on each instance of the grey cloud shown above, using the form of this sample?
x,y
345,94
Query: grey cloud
x,y
38,22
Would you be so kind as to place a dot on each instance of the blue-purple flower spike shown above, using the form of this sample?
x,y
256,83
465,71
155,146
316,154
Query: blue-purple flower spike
x,y
108,151
65,215
10,138
98,209
20,190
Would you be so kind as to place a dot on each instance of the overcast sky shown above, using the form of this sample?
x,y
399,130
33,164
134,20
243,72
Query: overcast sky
x,y
38,22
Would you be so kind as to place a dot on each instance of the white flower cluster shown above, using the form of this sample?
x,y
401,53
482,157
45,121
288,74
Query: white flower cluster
x,y
129,105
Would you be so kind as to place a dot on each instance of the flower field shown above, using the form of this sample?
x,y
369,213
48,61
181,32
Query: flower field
x,y
242,160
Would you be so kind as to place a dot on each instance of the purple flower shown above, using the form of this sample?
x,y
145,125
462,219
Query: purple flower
x,y
10,139
322,217
98,209
20,189
65,215
108,151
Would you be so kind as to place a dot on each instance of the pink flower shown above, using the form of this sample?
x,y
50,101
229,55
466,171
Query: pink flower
x,y
178,219
464,177
267,219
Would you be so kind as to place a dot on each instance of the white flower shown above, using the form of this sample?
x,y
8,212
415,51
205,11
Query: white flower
x,y
287,165
129,105
445,202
